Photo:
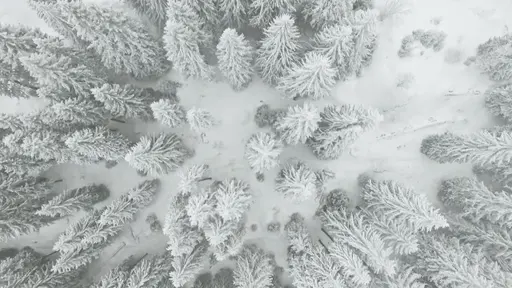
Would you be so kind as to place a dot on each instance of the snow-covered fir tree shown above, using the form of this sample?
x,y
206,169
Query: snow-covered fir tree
x,y
150,272
190,176
125,101
204,280
356,231
406,277
187,265
393,200
234,12
262,151
115,277
479,148
183,237
313,78
200,207
188,13
498,101
493,57
235,55
340,127
16,41
71,201
157,154
115,43
336,43
223,278
199,119
11,162
233,243
279,48
475,201
168,113
297,235
217,230
153,10
263,11
297,182
364,32
99,143
17,82
233,198
253,268
11,122
325,13
208,10
69,114
298,124
353,269
44,145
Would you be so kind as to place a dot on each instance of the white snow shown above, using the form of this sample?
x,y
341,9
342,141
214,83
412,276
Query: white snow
x,y
391,151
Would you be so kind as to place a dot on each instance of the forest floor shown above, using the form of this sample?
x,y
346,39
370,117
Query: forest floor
x,y
444,95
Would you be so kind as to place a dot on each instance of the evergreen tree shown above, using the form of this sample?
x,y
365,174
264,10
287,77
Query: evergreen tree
x,y
69,114
125,101
336,43
190,176
200,119
299,240
314,78
356,231
200,207
115,43
71,201
233,243
476,202
17,82
188,13
297,182
493,57
352,266
235,56
279,48
182,236
98,143
11,122
299,123
234,12
115,278
263,11
395,201
204,280
217,230
479,148
324,13
223,278
207,10
16,41
10,162
168,113
43,145
61,73
339,128
149,272
447,263
157,154
404,278
253,268
187,265
262,151
233,199
498,101
154,10
364,32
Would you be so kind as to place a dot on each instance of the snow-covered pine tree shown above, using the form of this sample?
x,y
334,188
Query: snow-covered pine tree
x,y
297,182
200,119
232,245
83,240
200,207
340,127
235,55
336,43
188,13
149,272
364,31
234,12
16,41
43,145
479,148
325,13
353,269
498,101
263,11
187,265
208,10
157,154
217,230
11,122
233,199
476,202
299,123
356,231
61,73
69,114
115,43
10,162
168,113
313,78
448,263
253,268
204,280
223,278
406,277
190,176
98,143
184,37
17,82
153,10
73,200
262,151
279,48
125,101
182,236
114,278
393,200
493,57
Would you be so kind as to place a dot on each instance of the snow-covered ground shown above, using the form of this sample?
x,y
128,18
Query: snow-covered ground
x,y
443,97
